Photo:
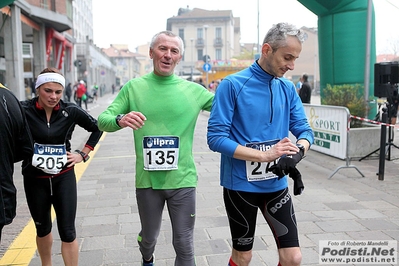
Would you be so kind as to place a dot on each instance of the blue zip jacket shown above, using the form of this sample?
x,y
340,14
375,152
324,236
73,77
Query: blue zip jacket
x,y
252,107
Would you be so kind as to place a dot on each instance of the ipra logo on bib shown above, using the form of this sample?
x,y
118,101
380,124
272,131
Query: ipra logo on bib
x,y
357,252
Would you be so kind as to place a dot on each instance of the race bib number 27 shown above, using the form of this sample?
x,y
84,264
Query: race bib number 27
x,y
257,171
160,153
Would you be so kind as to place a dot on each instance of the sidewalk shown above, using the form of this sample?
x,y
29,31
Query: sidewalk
x,y
344,207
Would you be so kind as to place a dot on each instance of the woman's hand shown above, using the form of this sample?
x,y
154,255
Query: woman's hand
x,y
73,158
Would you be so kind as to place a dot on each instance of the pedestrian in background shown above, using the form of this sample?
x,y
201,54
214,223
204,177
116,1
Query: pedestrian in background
x,y
15,145
81,93
49,177
201,82
252,114
305,92
75,91
95,92
211,85
68,92
162,109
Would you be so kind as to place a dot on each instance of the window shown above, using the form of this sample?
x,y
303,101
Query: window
x,y
28,65
200,33
44,4
69,10
53,6
27,51
218,54
218,32
200,54
181,34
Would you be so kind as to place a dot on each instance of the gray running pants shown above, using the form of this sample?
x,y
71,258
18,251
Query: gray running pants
x,y
181,208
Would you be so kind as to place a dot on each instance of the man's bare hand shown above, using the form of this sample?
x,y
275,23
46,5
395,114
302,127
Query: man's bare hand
x,y
134,120
283,147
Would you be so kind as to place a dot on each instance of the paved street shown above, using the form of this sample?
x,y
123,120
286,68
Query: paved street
x,y
344,207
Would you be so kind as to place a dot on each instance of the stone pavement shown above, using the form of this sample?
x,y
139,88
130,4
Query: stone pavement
x,y
344,207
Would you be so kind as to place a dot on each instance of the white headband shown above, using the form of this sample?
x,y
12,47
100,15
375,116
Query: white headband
x,y
49,77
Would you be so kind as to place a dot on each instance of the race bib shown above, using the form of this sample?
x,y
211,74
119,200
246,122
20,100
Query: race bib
x,y
49,158
257,171
160,153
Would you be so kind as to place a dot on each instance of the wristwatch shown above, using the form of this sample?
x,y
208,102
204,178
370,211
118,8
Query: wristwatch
x,y
301,149
85,156
118,118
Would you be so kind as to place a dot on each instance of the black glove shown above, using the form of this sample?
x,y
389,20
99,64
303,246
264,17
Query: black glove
x,y
298,184
287,164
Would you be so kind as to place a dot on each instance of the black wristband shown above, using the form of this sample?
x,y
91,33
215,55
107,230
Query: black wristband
x,y
118,118
85,156
301,150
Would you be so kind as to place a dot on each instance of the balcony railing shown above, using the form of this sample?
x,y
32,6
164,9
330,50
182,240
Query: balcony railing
x,y
218,42
200,43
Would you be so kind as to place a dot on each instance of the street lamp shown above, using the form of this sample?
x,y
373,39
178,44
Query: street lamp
x,y
206,52
192,58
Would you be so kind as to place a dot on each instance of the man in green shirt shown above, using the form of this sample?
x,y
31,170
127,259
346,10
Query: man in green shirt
x,y
162,109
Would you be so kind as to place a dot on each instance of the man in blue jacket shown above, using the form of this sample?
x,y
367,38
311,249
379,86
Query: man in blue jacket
x,y
252,114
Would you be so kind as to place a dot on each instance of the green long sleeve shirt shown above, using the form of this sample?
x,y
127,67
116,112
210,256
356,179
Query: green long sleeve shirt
x,y
171,106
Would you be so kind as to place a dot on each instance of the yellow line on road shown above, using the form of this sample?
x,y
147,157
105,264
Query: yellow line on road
x,y
22,249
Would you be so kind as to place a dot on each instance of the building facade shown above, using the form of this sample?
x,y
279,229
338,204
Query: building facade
x,y
208,35
146,65
92,65
82,20
36,34
308,61
126,63
213,36
41,33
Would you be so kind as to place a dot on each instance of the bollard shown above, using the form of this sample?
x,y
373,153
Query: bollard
x,y
381,166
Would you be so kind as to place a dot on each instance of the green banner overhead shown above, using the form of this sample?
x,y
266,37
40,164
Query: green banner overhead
x,y
343,40
4,3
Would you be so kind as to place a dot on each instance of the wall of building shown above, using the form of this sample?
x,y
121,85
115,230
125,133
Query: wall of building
x,y
46,34
308,61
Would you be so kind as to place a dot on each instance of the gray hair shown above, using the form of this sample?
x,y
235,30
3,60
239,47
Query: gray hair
x,y
170,34
277,35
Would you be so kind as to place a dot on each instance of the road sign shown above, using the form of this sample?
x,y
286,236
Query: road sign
x,y
207,67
